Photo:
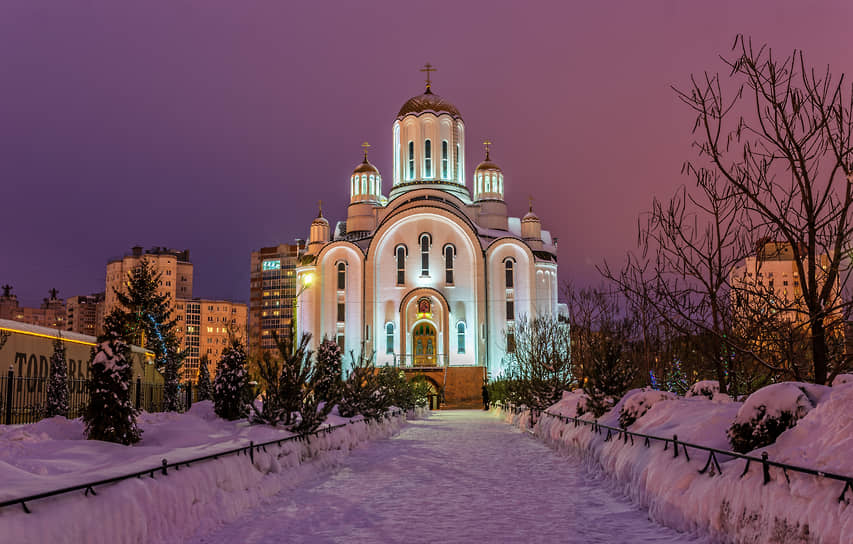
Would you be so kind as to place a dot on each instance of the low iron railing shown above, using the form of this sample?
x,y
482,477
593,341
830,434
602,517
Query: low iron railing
x,y
249,450
625,436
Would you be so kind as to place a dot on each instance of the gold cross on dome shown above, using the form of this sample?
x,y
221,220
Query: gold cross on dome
x,y
530,201
428,68
487,144
365,146
320,207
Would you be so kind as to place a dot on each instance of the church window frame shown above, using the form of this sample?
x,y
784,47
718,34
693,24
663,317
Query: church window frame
x,y
509,273
425,242
458,163
449,254
389,338
461,330
427,158
363,183
445,162
342,312
341,268
400,254
411,160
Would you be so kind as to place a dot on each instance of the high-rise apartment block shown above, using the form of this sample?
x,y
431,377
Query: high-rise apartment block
x,y
85,314
51,313
272,295
174,266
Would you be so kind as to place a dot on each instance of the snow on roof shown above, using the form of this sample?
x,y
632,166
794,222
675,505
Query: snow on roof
x,y
514,225
27,328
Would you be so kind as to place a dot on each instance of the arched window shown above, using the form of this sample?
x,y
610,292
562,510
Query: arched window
x,y
363,183
425,241
389,338
510,273
428,158
449,255
458,164
411,160
444,160
460,337
342,276
400,253
372,185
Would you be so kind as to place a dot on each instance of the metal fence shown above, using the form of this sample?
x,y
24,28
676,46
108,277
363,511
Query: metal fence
x,y
247,450
715,455
24,399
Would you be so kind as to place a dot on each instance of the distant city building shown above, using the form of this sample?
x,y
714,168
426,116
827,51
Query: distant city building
x,y
174,266
85,314
206,326
272,295
50,314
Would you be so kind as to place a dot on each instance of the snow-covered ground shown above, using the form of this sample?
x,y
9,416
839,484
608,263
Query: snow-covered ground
x,y
732,508
52,454
459,476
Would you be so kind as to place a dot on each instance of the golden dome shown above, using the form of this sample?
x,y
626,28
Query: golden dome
x,y
365,168
428,102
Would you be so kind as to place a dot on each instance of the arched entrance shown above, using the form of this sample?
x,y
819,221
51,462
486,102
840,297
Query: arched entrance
x,y
424,344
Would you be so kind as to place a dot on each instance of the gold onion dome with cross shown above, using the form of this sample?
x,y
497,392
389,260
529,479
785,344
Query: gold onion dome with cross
x,y
488,178
428,101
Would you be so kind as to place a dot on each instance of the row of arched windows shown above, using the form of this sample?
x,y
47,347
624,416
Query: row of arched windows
x,y
425,243
461,330
362,184
428,162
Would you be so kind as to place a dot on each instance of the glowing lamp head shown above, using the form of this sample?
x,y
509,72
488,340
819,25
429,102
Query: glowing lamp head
x,y
307,280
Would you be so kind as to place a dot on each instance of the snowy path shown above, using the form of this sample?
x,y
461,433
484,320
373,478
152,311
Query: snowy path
x,y
459,476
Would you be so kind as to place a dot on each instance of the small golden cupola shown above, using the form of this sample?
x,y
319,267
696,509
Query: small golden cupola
x,y
488,178
531,226
365,182
319,233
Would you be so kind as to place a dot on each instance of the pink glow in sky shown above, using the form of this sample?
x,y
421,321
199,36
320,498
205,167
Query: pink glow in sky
x,y
217,125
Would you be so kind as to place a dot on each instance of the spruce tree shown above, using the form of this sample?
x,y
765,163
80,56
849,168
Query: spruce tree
x,y
231,386
57,387
361,393
110,415
146,316
328,371
203,385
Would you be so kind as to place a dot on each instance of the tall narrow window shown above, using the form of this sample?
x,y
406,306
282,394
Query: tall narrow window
x,y
411,160
458,164
444,160
428,158
341,312
449,254
389,338
460,337
401,265
340,340
342,276
510,310
425,242
510,279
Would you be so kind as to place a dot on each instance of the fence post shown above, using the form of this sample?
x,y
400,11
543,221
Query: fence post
x,y
189,395
765,467
138,392
9,377
675,445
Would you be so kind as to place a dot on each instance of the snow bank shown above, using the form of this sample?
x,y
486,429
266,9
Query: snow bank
x,y
730,508
194,500
638,402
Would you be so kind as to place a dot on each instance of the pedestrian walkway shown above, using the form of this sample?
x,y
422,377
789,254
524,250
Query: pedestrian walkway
x,y
459,476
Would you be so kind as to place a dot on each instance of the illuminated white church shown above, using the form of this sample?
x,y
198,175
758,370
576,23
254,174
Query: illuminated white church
x,y
434,275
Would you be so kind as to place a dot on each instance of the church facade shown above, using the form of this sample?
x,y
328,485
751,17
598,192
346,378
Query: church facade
x,y
434,275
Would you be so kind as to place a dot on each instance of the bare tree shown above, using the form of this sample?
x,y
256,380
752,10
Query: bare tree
x,y
543,359
782,142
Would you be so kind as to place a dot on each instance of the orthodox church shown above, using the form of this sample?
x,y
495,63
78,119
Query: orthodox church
x,y
433,276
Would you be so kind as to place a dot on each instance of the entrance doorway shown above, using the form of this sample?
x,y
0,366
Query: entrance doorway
x,y
423,341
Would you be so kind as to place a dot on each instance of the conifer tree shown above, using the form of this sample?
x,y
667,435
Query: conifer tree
x,y
360,392
203,385
110,415
57,387
147,321
231,386
327,371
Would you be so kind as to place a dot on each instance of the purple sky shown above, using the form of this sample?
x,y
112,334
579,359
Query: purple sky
x,y
216,126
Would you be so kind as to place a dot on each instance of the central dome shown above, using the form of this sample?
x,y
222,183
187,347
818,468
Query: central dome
x,y
428,102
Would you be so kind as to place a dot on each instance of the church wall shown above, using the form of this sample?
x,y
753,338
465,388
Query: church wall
x,y
460,297
350,296
546,289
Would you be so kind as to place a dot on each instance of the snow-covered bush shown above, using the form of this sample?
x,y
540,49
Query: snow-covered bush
x,y
203,385
230,388
638,402
770,411
57,387
110,415
841,379
704,388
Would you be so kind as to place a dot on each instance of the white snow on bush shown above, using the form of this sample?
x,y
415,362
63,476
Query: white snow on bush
x,y
53,453
841,379
638,402
730,508
794,398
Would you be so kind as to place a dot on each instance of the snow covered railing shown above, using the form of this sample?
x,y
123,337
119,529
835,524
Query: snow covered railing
x,y
247,450
678,445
